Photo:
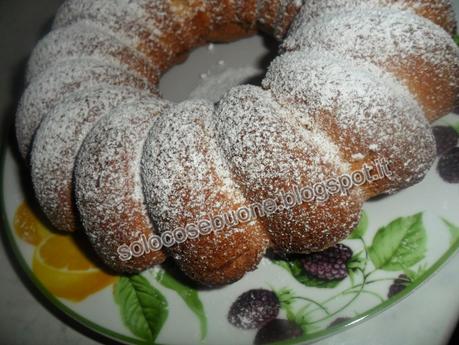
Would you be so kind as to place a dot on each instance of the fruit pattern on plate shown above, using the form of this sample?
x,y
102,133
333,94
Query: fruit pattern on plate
x,y
280,314
448,164
62,263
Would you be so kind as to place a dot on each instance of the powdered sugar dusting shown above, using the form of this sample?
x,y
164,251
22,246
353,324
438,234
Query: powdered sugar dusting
x,y
439,11
57,143
81,40
179,155
334,93
377,34
52,86
186,180
416,50
131,21
108,186
270,151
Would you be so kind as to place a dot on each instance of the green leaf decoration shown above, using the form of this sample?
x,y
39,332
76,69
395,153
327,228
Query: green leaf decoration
x,y
456,127
294,267
361,228
456,39
414,275
287,299
285,295
351,274
302,319
144,309
453,230
400,244
357,262
190,297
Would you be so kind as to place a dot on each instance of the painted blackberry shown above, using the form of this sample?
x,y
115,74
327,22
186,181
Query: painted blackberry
x,y
339,321
277,330
254,308
398,285
448,166
446,138
329,264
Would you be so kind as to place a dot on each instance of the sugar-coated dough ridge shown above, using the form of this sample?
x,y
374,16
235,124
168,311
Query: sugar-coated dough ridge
x,y
419,52
439,11
57,143
108,186
83,39
57,82
271,151
186,180
333,93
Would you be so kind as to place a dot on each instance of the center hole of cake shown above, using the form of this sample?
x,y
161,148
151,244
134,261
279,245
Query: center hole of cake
x,y
213,69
